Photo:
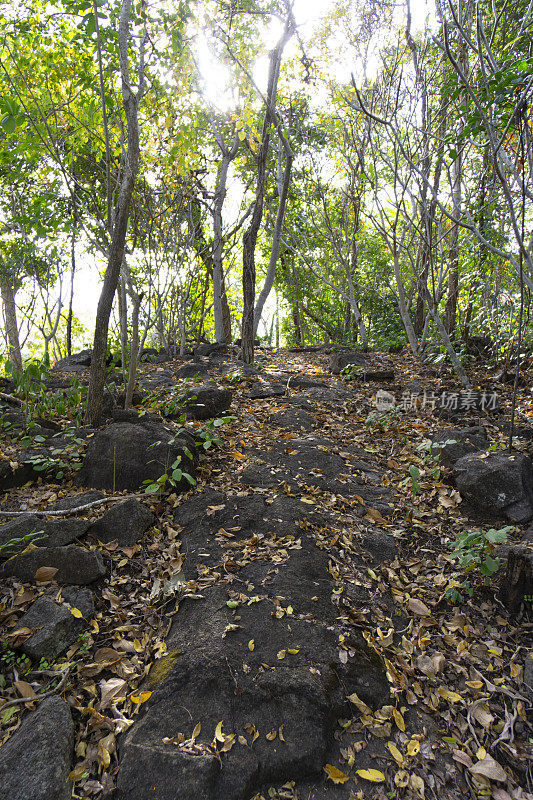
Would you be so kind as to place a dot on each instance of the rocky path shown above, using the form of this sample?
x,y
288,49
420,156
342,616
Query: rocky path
x,y
278,632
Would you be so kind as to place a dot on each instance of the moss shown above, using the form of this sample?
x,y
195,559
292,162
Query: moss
x,y
160,669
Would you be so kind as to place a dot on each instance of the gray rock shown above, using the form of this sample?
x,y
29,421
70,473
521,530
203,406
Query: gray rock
x,y
211,350
75,565
68,503
452,444
207,402
125,522
293,419
516,588
187,776
36,761
212,673
263,390
77,362
55,627
498,483
54,533
192,370
338,361
125,454
312,461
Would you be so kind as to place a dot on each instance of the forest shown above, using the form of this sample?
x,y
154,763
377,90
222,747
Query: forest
x,y
266,435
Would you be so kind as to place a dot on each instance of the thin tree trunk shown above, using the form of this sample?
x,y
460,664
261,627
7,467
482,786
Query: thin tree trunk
x,y
130,102
10,319
283,191
250,237
466,15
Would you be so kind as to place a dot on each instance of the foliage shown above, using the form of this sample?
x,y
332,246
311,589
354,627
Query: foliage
x,y
473,554
15,546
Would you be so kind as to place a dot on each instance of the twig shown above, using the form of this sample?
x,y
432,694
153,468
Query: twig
x,y
68,511
21,700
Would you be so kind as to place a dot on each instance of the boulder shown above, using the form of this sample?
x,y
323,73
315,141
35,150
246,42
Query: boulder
x,y
36,761
294,419
313,461
211,350
516,590
51,533
269,667
77,362
13,474
263,390
192,370
499,483
149,354
124,454
451,444
55,627
304,382
479,346
207,402
68,503
338,361
126,523
75,565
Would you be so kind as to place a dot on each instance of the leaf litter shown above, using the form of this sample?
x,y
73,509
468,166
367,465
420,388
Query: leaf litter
x,y
459,718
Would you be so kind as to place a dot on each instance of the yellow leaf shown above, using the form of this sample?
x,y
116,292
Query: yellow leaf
x,y
373,775
481,753
196,731
138,646
413,747
475,684
395,753
141,698
361,705
307,500
293,652
271,735
446,694
335,774
398,719
76,613
219,736
251,644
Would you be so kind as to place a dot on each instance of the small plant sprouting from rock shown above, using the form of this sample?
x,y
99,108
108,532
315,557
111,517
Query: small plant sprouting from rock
x,y
473,552
14,547
168,480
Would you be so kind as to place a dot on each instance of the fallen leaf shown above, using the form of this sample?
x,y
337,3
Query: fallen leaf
x,y
373,775
24,689
44,574
489,768
418,607
335,774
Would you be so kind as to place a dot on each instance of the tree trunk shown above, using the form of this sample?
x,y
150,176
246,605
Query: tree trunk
x,y
130,103
250,237
134,357
466,15
283,190
10,319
